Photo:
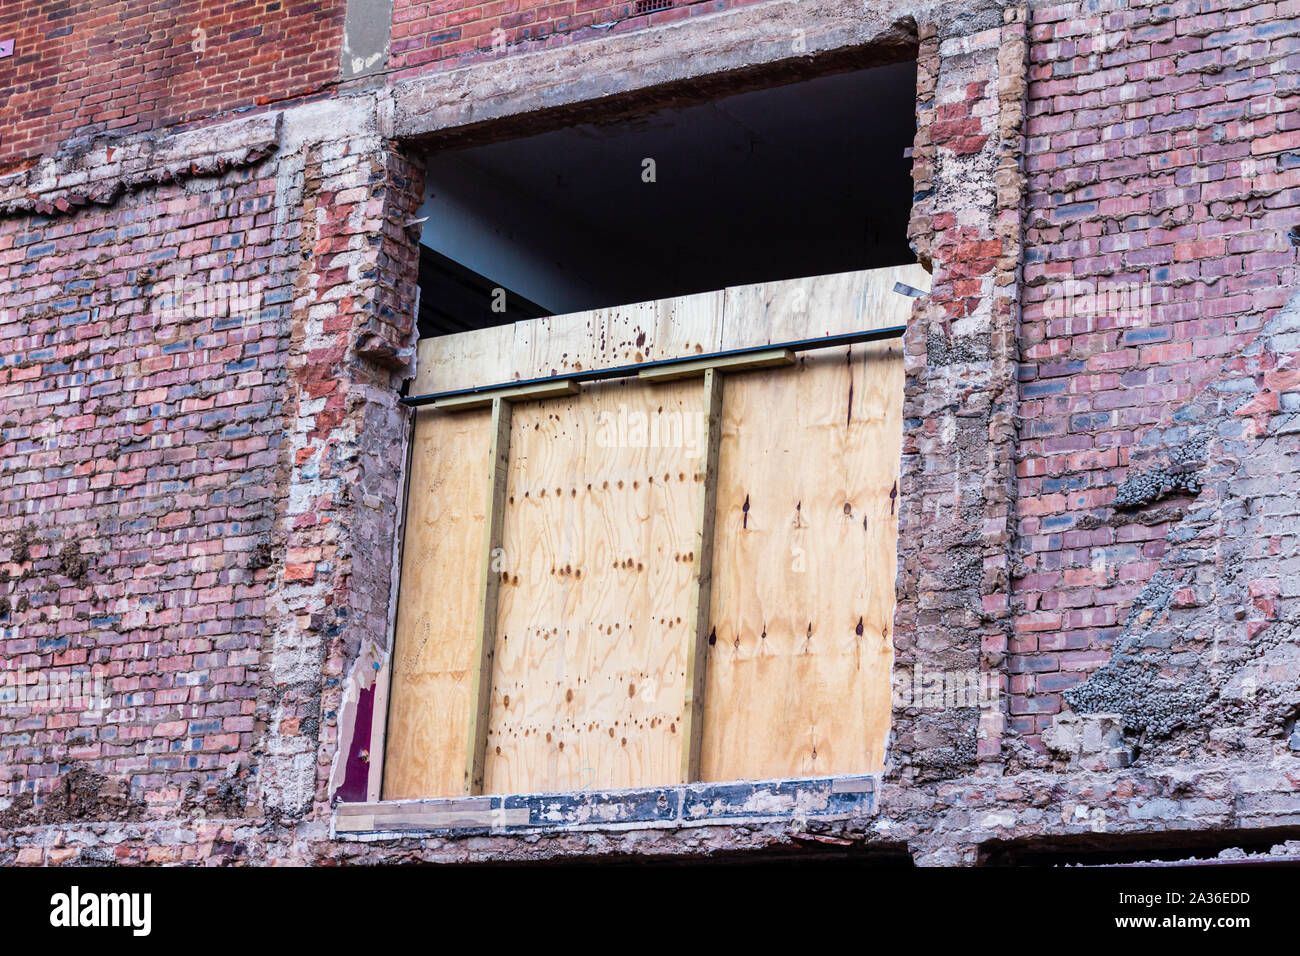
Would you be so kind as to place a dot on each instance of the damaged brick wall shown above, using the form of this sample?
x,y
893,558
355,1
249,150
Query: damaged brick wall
x,y
350,351
957,493
141,430
1207,660
200,428
1096,504
82,69
1164,179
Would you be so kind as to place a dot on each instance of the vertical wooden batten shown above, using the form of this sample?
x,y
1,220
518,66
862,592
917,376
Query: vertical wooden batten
x,y
485,627
697,653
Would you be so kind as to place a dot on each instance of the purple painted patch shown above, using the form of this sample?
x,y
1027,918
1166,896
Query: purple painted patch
x,y
356,777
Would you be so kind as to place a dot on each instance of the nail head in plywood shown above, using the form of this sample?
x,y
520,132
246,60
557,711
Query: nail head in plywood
x,y
701,602
720,363
485,627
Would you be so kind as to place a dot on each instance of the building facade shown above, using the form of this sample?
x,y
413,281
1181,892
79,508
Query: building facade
x,y
209,260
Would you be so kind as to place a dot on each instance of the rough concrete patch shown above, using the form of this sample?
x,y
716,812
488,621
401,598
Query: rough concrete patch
x,y
104,170
366,36
1176,475
1208,647
1132,684
263,553
944,350
73,565
332,121
80,795
228,797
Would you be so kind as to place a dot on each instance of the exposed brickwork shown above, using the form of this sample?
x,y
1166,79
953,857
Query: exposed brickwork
x,y
957,494
1164,173
87,68
1096,507
1207,661
187,468
140,429
446,33
344,448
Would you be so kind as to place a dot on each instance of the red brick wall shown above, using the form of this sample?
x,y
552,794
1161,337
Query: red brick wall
x,y
141,447
450,32
198,510
87,67
1164,173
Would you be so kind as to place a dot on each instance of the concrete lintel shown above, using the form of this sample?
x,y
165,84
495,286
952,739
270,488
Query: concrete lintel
x,y
684,61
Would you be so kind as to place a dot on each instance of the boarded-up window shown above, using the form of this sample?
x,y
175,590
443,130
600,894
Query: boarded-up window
x,y
650,580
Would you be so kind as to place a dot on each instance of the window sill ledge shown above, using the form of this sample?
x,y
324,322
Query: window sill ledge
x,y
670,807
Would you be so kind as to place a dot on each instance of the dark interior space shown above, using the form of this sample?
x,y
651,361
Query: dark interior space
x,y
1104,849
804,179
453,297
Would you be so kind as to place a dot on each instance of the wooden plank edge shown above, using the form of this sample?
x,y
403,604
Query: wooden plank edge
x,y
489,586
520,393
725,363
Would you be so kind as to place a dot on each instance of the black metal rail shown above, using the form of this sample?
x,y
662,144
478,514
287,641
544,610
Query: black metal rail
x,y
625,371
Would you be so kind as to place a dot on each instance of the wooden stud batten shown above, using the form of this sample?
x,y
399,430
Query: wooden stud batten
x,y
701,597
539,390
489,585
379,731
731,363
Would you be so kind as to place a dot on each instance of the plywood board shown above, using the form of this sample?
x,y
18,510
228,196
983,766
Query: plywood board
x,y
796,309
592,625
738,317
562,344
464,360
803,572
621,335
432,675
593,630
